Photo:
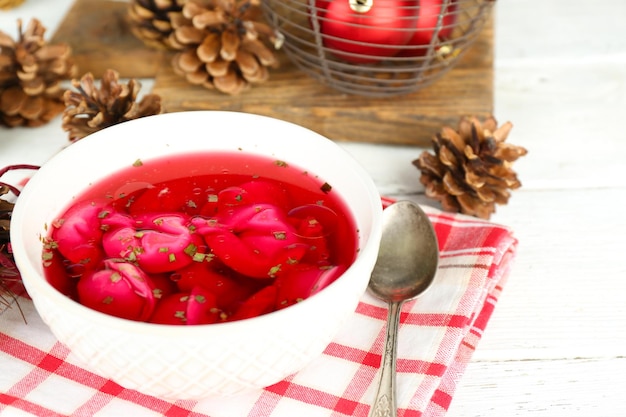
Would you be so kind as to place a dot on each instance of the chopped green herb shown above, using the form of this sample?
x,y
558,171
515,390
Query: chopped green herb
x,y
171,257
280,235
115,277
280,163
107,300
274,270
191,249
164,250
50,244
200,299
198,257
137,163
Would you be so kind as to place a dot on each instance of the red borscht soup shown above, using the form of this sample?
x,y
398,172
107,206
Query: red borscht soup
x,y
199,239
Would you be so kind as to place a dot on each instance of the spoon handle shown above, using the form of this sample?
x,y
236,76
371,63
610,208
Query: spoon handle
x,y
385,401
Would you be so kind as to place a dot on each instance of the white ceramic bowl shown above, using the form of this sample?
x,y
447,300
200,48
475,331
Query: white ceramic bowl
x,y
192,362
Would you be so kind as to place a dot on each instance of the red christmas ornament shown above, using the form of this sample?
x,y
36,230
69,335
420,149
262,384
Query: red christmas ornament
x,y
428,16
366,31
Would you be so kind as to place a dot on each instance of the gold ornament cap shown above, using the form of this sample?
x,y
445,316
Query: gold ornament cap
x,y
361,6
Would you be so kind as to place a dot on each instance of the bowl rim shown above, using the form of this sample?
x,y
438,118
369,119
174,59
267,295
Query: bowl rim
x,y
34,281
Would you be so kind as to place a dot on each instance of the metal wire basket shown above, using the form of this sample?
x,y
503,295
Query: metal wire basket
x,y
436,32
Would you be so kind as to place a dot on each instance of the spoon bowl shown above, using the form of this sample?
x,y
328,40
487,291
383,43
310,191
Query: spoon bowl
x,y
408,254
405,268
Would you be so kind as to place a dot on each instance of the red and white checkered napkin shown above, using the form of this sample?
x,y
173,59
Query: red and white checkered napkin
x,y
438,334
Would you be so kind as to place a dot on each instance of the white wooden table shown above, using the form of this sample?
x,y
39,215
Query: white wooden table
x,y
556,344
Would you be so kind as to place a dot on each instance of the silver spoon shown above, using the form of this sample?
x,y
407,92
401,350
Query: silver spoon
x,y
405,268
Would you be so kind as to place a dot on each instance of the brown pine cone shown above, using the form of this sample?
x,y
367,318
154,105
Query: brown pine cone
x,y
150,20
471,170
30,76
91,109
224,44
9,4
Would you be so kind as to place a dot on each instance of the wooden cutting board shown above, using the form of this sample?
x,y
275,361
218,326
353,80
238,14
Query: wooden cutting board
x,y
98,32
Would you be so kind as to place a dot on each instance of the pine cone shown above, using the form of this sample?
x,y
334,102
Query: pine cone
x,y
91,109
9,4
30,76
150,20
470,171
224,44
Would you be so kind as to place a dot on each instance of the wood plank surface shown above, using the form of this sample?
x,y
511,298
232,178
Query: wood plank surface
x,y
580,387
293,96
98,33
